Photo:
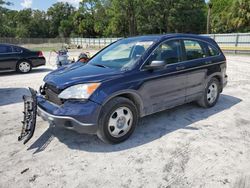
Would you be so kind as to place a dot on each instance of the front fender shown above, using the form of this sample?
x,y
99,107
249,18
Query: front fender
x,y
102,97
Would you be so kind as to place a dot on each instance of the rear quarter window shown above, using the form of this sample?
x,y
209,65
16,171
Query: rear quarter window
x,y
17,49
212,51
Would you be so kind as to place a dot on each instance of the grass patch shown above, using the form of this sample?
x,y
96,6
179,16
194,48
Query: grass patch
x,y
44,49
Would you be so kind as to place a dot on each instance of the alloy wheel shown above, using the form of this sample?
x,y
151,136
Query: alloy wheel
x,y
120,122
24,67
212,93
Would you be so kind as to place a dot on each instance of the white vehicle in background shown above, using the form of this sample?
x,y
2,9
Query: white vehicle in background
x,y
62,58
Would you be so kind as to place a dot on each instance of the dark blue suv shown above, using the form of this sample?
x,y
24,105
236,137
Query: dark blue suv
x,y
132,78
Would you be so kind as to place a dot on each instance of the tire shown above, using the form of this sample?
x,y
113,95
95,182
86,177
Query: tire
x,y
211,94
118,120
24,67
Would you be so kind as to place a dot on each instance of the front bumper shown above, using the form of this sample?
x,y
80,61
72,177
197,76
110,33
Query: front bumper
x,y
75,115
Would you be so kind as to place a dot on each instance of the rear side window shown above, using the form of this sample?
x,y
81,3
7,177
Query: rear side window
x,y
169,51
212,51
17,49
194,50
5,49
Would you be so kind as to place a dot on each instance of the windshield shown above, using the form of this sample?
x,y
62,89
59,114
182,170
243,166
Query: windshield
x,y
123,54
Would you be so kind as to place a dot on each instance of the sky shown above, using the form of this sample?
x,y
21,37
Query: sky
x,y
38,4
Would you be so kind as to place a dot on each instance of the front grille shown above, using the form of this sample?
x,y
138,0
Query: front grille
x,y
51,94
53,88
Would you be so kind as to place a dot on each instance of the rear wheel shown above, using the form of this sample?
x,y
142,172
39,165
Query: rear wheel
x,y
24,67
118,120
211,94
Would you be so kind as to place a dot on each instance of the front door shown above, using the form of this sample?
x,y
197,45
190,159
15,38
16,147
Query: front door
x,y
164,88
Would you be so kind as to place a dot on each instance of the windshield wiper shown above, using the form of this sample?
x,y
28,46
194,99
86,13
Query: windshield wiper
x,y
99,65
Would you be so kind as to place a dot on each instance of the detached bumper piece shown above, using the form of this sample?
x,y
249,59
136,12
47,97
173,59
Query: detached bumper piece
x,y
29,116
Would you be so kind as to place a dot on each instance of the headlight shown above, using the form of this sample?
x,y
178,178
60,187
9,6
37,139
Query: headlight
x,y
81,91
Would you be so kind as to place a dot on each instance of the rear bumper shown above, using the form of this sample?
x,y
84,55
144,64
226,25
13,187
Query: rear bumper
x,y
38,62
79,116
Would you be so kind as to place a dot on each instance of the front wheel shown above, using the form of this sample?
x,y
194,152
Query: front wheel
x,y
211,94
118,120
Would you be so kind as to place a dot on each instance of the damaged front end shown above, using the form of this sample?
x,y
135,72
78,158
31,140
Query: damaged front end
x,y
29,116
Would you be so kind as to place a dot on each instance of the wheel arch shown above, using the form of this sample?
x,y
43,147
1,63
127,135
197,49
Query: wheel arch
x,y
218,76
132,96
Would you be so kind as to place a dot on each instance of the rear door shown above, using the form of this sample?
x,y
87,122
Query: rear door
x,y
6,59
164,88
196,61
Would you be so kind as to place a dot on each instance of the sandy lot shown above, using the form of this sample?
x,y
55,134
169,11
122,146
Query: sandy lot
x,y
187,146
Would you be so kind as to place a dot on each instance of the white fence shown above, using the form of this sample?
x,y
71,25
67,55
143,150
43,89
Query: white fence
x,y
232,40
92,42
235,42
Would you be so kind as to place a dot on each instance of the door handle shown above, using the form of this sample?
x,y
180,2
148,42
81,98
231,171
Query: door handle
x,y
208,62
180,67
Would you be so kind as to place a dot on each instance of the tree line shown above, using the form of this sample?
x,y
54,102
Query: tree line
x,y
120,18
230,16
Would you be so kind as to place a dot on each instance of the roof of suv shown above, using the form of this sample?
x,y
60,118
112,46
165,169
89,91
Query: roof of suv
x,y
172,35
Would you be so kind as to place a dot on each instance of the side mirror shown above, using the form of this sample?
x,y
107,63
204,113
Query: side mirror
x,y
156,65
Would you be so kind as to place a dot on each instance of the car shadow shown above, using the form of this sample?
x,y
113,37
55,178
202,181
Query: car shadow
x,y
149,129
12,95
33,71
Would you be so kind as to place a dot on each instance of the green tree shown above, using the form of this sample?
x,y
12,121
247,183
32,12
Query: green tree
x,y
2,2
219,15
84,18
23,19
239,21
4,29
56,14
90,19
116,18
230,16
122,16
38,25
101,19
157,16
187,16
66,27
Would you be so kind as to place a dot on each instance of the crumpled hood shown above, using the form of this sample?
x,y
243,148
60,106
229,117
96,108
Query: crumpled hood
x,y
78,73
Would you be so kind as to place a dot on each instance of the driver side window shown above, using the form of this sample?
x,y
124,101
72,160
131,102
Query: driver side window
x,y
169,52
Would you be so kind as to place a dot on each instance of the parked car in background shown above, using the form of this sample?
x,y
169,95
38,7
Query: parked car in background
x,y
16,58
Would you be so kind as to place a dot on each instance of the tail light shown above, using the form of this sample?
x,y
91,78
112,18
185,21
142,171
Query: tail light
x,y
40,54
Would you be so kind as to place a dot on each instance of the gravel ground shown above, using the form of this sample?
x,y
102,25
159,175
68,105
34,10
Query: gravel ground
x,y
187,146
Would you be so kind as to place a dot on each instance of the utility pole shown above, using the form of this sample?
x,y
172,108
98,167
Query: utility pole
x,y
210,5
